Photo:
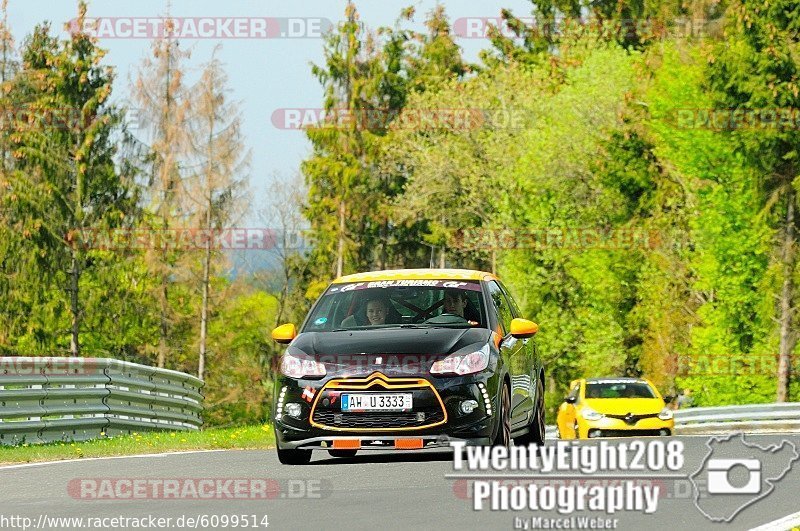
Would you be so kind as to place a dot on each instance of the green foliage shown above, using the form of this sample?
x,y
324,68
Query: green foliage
x,y
239,381
584,130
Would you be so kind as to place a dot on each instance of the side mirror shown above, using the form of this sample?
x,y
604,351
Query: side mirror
x,y
284,333
522,328
571,399
668,399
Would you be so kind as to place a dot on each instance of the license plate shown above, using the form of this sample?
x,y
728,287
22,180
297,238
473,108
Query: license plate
x,y
376,401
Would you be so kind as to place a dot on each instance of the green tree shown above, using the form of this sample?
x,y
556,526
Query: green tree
x,y
755,69
65,178
8,237
337,169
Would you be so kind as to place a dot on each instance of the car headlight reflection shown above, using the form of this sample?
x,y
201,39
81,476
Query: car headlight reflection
x,y
463,364
301,365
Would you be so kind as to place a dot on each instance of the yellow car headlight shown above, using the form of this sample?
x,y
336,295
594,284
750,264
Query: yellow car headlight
x,y
590,414
666,414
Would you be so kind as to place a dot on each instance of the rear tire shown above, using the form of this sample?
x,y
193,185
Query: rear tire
x,y
343,453
503,437
294,457
536,430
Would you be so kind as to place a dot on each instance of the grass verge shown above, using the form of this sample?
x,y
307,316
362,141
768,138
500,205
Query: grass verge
x,y
241,438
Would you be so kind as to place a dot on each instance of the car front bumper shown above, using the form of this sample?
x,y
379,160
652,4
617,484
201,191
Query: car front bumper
x,y
321,424
611,427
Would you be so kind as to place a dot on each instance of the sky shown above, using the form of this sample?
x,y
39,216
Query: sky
x,y
264,74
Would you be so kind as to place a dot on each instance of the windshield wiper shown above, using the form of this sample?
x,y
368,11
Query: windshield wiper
x,y
420,326
383,327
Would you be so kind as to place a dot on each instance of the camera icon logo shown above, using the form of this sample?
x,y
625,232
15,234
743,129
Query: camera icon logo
x,y
719,481
736,473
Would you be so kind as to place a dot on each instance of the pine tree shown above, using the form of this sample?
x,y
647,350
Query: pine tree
x,y
65,177
337,173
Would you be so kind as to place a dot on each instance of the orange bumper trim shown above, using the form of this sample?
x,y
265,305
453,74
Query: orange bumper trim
x,y
346,444
408,444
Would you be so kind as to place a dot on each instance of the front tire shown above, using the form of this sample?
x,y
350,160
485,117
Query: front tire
x,y
503,437
536,430
294,457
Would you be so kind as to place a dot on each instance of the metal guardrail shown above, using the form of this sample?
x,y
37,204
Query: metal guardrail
x,y
752,417
75,399
783,417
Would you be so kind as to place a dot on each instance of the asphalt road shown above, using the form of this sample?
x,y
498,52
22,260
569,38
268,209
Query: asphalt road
x,y
372,490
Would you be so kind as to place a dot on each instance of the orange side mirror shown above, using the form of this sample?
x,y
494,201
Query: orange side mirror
x,y
284,333
522,328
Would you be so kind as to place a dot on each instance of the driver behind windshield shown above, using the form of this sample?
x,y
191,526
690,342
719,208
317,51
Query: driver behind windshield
x,y
455,301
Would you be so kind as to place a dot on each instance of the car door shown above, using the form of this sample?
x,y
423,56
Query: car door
x,y
514,354
533,363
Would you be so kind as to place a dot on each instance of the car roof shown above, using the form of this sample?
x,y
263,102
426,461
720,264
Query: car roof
x,y
417,274
620,379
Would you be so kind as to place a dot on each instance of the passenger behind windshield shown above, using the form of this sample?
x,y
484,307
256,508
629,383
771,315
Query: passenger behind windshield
x,y
376,311
377,308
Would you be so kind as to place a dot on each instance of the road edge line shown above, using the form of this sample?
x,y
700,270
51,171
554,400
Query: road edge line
x,y
781,524
84,459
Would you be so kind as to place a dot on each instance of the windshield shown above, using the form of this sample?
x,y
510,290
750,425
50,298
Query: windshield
x,y
618,390
398,303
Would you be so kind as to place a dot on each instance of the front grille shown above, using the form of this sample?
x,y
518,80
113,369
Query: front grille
x,y
625,433
408,419
632,419
428,409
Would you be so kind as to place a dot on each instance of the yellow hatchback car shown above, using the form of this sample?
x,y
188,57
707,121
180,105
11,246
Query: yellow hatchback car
x,y
613,407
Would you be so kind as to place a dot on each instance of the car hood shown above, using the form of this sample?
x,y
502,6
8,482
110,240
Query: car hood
x,y
393,351
623,406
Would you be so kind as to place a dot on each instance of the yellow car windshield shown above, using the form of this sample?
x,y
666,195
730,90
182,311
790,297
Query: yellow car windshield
x,y
618,390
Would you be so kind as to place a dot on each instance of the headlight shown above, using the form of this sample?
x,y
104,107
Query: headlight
x,y
301,365
463,363
590,414
666,414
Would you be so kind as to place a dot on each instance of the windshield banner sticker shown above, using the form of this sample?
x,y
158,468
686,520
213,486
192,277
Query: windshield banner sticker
x,y
411,283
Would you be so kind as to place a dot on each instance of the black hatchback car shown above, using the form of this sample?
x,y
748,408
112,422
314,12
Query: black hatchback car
x,y
407,360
